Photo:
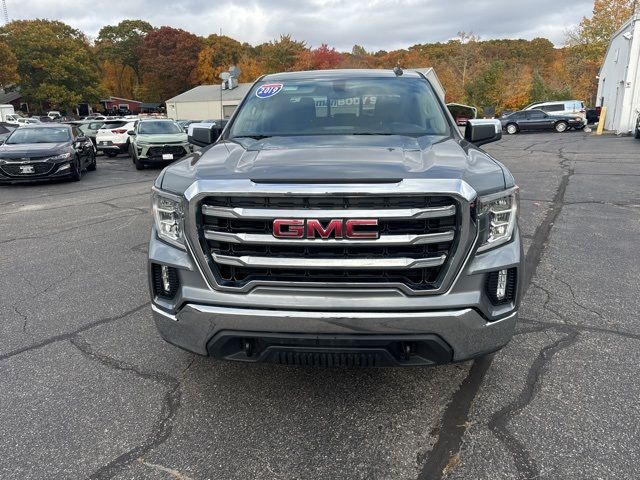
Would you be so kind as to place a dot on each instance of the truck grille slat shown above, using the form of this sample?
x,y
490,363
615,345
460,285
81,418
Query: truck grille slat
x,y
418,235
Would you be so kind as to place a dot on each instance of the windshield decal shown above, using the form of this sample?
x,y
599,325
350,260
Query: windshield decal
x,y
268,90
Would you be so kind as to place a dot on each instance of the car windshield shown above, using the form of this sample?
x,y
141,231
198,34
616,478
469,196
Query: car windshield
x,y
358,106
39,135
151,128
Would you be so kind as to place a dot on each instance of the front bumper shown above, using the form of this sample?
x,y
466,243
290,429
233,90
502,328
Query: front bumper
x,y
155,152
221,332
58,170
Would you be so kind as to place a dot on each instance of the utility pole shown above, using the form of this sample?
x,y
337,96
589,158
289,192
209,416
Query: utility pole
x,y
5,12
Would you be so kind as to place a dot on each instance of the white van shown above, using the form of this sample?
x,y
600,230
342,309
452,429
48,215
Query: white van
x,y
561,107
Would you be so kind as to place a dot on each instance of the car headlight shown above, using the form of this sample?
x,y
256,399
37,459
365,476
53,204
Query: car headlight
x,y
62,156
168,213
502,211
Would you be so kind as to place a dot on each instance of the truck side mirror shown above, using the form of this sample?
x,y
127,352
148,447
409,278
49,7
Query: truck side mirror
x,y
480,132
203,134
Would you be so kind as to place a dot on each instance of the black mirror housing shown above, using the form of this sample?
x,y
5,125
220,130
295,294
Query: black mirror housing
x,y
481,132
131,133
203,134
82,139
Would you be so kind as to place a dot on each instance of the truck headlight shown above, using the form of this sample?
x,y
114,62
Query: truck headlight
x,y
502,211
168,213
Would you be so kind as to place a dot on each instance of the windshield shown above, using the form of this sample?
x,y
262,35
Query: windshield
x,y
39,135
370,106
150,128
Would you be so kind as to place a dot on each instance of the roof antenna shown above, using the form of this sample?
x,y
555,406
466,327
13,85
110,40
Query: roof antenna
x,y
398,70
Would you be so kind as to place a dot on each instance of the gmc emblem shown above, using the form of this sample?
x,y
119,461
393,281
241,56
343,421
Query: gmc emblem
x,y
336,228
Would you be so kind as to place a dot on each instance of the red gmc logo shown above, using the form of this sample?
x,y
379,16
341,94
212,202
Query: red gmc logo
x,y
336,228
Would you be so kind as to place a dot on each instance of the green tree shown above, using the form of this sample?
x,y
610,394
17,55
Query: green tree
x,y
55,63
120,44
280,55
486,89
8,66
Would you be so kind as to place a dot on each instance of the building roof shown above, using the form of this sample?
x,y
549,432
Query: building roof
x,y
211,93
9,97
113,99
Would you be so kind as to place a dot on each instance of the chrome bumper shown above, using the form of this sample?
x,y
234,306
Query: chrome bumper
x,y
465,331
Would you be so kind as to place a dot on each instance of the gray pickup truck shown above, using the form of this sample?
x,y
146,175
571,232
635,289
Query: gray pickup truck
x,y
341,219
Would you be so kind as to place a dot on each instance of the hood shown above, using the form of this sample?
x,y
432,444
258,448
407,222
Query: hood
x,y
339,159
32,149
162,138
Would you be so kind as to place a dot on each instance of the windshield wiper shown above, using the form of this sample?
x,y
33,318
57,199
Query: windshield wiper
x,y
255,137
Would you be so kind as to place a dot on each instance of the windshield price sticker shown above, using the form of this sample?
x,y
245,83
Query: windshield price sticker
x,y
268,90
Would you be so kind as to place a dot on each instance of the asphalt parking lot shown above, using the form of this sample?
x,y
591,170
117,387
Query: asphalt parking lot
x,y
89,390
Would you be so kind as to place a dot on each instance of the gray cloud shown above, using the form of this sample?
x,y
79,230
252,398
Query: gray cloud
x,y
375,24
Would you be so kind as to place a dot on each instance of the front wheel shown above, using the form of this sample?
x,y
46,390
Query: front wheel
x,y
512,129
139,165
637,135
76,171
93,164
561,127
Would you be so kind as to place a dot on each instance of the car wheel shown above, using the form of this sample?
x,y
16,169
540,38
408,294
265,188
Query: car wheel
x,y
93,164
76,171
512,129
136,161
561,127
637,135
110,154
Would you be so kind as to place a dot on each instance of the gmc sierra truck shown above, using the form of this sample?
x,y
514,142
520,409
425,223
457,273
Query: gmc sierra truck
x,y
341,219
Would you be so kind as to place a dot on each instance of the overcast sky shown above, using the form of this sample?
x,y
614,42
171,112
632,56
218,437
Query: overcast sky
x,y
374,24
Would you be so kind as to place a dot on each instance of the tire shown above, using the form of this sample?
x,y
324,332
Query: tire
x,y
512,129
136,161
93,164
76,173
637,135
110,153
561,127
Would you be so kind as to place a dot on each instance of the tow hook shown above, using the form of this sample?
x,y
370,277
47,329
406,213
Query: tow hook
x,y
247,346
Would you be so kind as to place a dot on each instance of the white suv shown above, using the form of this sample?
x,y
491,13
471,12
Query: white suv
x,y
561,107
113,137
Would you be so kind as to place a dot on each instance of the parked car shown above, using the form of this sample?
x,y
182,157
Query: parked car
x,y
90,129
20,121
113,137
5,130
42,152
562,107
157,141
184,124
54,115
536,120
637,129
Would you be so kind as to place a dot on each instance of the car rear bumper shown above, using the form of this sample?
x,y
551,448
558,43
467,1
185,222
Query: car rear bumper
x,y
112,147
334,338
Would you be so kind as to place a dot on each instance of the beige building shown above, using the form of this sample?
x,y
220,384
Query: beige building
x,y
206,102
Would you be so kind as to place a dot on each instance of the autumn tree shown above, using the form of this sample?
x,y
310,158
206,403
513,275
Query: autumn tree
x,y
218,54
321,58
54,61
168,61
588,43
8,66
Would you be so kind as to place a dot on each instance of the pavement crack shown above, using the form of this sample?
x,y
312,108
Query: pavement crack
x,y
457,412
525,464
162,427
171,471
67,336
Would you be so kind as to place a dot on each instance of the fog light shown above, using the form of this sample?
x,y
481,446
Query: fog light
x,y
501,289
165,281
501,286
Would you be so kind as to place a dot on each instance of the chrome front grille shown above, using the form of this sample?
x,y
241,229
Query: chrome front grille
x,y
418,238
